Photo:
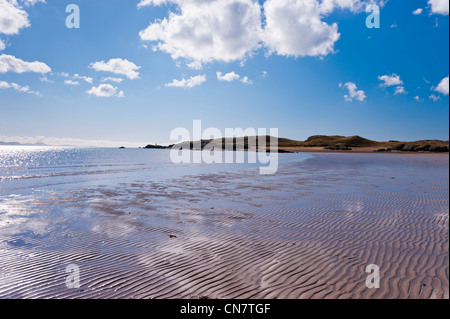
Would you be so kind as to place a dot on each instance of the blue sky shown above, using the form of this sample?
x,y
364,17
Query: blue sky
x,y
305,67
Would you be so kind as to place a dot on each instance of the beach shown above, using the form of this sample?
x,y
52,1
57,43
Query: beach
x,y
141,227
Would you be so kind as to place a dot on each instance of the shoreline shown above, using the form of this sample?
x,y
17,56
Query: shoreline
x,y
357,150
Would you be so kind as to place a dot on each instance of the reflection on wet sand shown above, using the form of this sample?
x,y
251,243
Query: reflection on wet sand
x,y
307,232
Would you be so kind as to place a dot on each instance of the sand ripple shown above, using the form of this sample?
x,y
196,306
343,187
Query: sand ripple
x,y
308,232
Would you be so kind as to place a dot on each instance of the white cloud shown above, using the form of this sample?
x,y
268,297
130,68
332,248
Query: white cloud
x,y
70,82
418,11
63,141
188,83
400,90
32,2
195,65
87,79
443,86
434,97
84,78
439,6
246,80
105,90
328,6
390,80
417,98
144,3
45,79
203,31
229,77
295,28
17,87
353,92
12,17
118,66
2,45
232,76
63,74
9,63
110,79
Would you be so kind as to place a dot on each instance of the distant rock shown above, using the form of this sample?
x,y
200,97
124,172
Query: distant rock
x,y
439,149
338,148
419,148
157,147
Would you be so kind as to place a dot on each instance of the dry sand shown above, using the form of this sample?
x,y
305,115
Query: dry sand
x,y
307,232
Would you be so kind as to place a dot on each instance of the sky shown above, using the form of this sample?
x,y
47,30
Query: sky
x,y
135,70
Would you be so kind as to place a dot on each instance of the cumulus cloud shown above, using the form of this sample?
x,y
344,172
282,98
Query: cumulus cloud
x,y
246,80
110,79
45,79
439,6
70,82
17,87
84,78
434,97
418,11
118,66
232,76
2,45
400,90
328,6
353,92
12,17
195,65
9,63
144,3
105,90
188,83
229,77
295,28
32,2
203,31
74,78
390,80
443,86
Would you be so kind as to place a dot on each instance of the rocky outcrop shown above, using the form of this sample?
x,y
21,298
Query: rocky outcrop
x,y
338,148
419,148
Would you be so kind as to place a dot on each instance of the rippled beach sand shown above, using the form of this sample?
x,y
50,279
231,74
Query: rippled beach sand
x,y
307,232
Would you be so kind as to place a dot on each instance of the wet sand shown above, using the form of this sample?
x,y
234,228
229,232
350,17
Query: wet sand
x,y
307,232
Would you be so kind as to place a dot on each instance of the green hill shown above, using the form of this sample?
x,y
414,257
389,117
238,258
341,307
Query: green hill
x,y
332,142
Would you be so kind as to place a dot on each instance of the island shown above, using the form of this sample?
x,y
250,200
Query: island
x,y
320,143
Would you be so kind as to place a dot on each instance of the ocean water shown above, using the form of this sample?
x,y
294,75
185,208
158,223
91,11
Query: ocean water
x,y
24,169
